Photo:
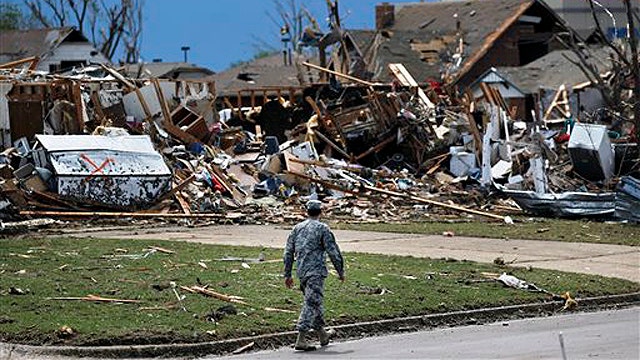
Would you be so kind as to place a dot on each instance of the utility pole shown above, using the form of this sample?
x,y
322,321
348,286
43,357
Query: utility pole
x,y
185,49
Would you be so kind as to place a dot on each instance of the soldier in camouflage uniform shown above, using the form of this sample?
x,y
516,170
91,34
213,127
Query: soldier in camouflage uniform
x,y
309,243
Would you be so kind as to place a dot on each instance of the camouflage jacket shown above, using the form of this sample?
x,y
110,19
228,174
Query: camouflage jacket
x,y
309,242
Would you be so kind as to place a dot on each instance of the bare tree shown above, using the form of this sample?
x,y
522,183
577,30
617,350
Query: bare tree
x,y
623,66
112,24
635,66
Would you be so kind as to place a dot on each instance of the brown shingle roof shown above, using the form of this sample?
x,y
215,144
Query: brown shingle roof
x,y
261,73
18,44
481,22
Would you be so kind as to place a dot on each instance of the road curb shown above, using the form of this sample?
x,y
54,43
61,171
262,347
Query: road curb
x,y
270,341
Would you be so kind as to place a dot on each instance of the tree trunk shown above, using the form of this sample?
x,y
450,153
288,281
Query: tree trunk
x,y
633,40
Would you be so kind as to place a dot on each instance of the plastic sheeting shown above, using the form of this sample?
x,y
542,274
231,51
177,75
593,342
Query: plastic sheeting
x,y
567,204
628,199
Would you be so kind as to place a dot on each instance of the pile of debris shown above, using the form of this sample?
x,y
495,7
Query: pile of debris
x,y
112,147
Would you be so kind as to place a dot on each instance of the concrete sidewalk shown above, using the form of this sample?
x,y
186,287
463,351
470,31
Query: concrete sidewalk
x,y
599,259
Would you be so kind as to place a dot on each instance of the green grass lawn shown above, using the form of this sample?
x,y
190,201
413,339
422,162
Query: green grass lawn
x,y
377,287
538,229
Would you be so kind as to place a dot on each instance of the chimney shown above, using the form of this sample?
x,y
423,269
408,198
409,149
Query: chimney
x,y
385,16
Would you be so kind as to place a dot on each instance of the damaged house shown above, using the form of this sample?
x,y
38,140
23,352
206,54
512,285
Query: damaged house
x,y
166,70
57,49
457,41
525,86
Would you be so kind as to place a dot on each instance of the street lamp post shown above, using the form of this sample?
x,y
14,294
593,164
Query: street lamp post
x,y
185,49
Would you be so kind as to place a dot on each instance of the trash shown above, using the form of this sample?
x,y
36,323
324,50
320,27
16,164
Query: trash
x,y
94,298
242,349
220,313
105,146
211,293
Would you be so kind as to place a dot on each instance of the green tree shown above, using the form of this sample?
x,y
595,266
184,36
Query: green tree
x,y
12,17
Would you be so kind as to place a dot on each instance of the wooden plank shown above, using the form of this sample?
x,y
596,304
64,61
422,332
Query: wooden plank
x,y
119,77
339,74
183,203
32,59
176,188
106,214
211,293
406,78
94,298
76,94
377,148
435,203
324,183
326,140
166,112
97,106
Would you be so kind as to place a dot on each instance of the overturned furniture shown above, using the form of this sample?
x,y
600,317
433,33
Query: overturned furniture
x,y
116,172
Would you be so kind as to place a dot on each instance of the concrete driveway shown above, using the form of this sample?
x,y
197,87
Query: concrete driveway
x,y
599,259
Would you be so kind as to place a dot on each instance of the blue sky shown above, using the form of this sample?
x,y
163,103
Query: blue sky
x,y
221,32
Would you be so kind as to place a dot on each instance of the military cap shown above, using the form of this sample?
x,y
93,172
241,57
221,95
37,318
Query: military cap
x,y
313,205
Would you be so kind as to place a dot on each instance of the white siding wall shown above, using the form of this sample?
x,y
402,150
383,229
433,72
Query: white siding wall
x,y
72,52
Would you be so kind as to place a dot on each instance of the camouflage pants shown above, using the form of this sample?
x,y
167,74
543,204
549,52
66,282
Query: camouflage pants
x,y
312,314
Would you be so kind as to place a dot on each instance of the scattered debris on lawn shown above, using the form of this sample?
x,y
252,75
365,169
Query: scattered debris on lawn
x,y
207,292
242,349
220,313
94,298
513,282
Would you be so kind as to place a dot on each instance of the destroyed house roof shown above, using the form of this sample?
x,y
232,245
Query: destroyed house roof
x,y
553,70
170,70
18,44
362,38
433,24
87,155
261,73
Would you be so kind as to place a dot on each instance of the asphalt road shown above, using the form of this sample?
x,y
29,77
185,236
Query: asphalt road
x,y
601,335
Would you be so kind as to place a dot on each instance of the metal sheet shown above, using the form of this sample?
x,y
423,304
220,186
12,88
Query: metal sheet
x,y
132,143
114,191
121,171
628,199
568,204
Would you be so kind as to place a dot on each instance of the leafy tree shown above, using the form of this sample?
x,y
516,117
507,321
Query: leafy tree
x,y
12,17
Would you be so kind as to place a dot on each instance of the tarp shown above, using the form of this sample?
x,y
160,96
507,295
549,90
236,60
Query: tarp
x,y
567,204
628,199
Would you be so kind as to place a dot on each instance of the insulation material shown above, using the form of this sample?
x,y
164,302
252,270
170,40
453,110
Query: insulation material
x,y
133,106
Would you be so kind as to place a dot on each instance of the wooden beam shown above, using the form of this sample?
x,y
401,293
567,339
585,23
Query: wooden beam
x,y
331,144
176,188
106,214
166,112
377,148
324,183
339,74
33,60
119,77
435,203
97,106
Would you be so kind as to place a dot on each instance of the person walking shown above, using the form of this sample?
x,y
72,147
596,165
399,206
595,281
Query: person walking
x,y
309,243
